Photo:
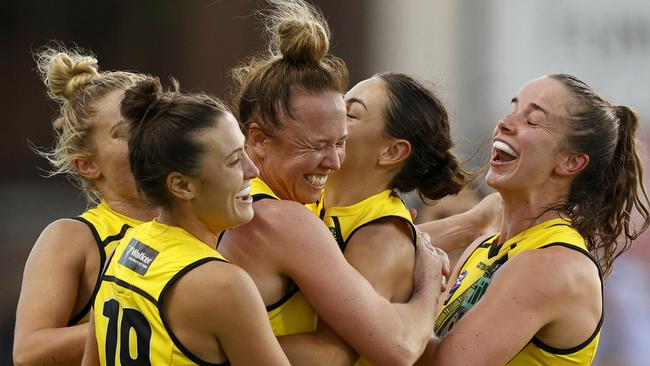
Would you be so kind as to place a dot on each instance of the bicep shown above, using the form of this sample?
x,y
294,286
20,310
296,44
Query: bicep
x,y
242,322
52,276
384,254
507,317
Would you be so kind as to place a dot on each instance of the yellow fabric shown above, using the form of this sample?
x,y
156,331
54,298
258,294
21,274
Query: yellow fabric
x,y
292,315
344,221
149,259
475,276
108,227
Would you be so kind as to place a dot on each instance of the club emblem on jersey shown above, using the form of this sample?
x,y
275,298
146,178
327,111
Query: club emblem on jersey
x,y
456,285
138,256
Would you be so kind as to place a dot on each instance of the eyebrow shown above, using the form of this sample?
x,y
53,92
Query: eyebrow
x,y
535,106
239,149
356,100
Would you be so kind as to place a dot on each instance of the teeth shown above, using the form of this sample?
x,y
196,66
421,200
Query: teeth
x,y
243,193
317,180
500,145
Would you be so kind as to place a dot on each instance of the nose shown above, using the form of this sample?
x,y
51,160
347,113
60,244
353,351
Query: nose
x,y
505,125
331,158
249,168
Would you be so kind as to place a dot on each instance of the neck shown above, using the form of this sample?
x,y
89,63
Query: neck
x,y
133,208
345,188
522,211
190,223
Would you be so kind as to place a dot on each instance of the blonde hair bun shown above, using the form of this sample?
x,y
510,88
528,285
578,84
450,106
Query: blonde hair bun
x,y
67,73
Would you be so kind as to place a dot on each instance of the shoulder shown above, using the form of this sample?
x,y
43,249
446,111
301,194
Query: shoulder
x,y
220,283
282,209
390,234
65,236
550,274
288,222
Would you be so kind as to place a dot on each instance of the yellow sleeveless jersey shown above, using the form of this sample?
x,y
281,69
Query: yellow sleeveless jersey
x,y
475,276
108,228
343,222
129,323
292,313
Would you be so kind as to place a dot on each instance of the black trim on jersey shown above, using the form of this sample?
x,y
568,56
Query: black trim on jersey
x,y
130,287
561,351
560,224
262,196
482,245
98,239
494,250
118,236
338,235
219,237
410,224
284,298
101,244
160,302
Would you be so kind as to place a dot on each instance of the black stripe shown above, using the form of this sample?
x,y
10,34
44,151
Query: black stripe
x,y
482,245
118,236
221,234
129,286
102,259
92,229
563,351
338,235
101,244
284,298
176,341
382,218
262,196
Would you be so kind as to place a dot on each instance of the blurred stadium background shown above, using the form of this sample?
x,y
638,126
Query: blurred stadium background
x,y
477,54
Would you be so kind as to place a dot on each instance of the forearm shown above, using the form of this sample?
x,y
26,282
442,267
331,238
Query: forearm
x,y
454,232
385,333
428,358
57,346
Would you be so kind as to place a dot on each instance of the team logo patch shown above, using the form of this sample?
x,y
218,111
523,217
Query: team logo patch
x,y
138,257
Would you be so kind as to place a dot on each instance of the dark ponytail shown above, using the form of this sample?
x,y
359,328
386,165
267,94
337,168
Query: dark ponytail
x,y
605,194
163,131
414,113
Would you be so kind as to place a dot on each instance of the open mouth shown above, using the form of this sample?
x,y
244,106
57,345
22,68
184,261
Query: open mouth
x,y
315,180
503,153
244,195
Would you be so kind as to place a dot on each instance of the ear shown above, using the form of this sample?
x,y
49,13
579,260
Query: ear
x,y
395,153
181,186
572,164
256,139
87,168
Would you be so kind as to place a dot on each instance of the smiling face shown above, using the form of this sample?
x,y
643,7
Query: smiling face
x,y
366,105
297,160
223,198
529,142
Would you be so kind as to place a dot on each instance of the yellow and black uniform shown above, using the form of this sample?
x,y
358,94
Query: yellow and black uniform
x,y
343,222
129,322
108,228
292,313
477,271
